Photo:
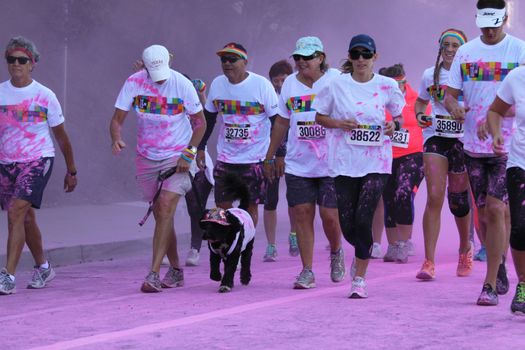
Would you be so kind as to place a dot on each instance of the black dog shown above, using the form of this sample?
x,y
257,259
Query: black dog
x,y
230,234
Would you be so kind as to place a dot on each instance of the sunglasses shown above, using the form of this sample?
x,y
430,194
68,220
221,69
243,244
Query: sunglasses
x,y
230,59
354,54
21,60
304,58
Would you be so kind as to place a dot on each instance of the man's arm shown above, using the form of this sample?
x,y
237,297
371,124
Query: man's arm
x,y
70,180
117,144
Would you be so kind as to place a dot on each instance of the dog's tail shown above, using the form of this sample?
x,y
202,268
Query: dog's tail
x,y
238,189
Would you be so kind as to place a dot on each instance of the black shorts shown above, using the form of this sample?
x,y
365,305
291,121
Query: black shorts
x,y
251,174
450,148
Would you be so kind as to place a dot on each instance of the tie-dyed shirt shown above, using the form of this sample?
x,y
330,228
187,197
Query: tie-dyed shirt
x,y
512,92
343,99
246,109
163,128
306,149
26,114
478,70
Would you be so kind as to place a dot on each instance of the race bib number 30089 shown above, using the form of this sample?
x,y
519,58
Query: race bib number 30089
x,y
365,135
237,133
446,126
309,130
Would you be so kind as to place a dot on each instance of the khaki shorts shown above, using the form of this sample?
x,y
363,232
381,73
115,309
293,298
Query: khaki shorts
x,y
147,177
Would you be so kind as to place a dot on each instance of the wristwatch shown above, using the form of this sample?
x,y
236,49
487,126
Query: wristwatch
x,y
193,149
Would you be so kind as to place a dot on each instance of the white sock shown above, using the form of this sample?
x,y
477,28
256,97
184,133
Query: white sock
x,y
45,265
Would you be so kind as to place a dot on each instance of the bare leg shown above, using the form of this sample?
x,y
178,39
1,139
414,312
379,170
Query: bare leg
x,y
519,264
459,183
332,229
34,237
164,240
16,215
304,214
361,266
270,225
496,232
291,216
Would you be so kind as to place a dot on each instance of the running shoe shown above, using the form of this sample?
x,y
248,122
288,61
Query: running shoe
x,y
391,253
488,296
305,280
465,262
337,266
481,255
173,278
151,283
40,277
7,285
271,253
193,257
427,272
502,281
518,302
358,289
376,251
402,252
411,248
293,248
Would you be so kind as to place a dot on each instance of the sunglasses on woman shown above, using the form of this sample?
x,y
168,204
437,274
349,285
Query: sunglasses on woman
x,y
354,54
304,58
21,60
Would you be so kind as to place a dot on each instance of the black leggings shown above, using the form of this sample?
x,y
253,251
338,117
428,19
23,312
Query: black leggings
x,y
516,189
357,199
400,190
196,207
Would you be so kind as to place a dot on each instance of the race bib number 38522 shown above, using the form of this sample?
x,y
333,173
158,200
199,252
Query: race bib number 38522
x,y
365,135
237,133
446,126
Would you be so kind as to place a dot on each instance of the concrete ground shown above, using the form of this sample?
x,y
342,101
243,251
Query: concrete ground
x,y
98,305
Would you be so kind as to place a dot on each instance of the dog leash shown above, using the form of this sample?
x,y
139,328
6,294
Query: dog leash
x,y
161,178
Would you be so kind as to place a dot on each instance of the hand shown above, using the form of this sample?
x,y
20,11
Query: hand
x,y
498,144
483,132
70,182
269,171
348,125
183,166
389,129
423,123
138,65
201,160
459,112
279,166
117,146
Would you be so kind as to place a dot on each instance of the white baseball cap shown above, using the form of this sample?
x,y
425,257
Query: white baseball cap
x,y
156,58
490,18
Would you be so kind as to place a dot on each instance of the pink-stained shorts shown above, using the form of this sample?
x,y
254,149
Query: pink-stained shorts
x,y
148,172
25,181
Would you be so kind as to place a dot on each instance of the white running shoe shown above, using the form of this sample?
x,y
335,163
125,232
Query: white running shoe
x,y
193,257
376,251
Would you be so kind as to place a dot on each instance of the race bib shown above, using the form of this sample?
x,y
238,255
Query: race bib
x,y
365,135
400,138
237,133
309,130
446,126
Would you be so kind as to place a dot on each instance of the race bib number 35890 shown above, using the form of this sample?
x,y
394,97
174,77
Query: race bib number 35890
x,y
237,133
365,135
446,126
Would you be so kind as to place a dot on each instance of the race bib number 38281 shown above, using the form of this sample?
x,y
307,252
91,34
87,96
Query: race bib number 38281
x,y
237,133
365,135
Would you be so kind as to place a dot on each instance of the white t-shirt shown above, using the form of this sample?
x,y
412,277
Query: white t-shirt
x,y
26,114
343,99
478,70
163,130
246,109
426,92
306,149
512,91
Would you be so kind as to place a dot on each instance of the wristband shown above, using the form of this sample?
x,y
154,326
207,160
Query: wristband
x,y
72,173
398,126
269,161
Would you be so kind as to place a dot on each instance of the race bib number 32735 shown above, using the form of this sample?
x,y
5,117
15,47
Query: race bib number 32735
x,y
365,135
237,133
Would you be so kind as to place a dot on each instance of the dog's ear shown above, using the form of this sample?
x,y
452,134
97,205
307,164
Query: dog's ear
x,y
234,221
204,224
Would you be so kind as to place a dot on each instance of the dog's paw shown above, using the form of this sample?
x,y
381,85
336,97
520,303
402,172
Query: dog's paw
x,y
224,289
215,276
